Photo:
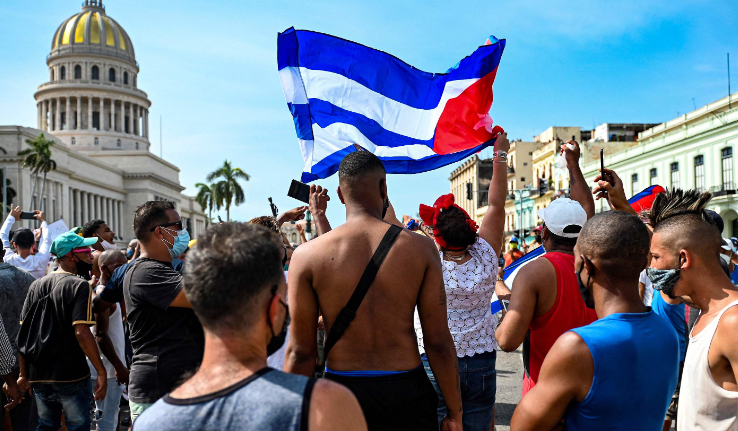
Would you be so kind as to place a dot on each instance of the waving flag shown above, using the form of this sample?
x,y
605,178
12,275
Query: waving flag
x,y
643,200
343,96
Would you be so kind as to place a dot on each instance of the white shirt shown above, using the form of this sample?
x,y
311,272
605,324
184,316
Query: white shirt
x,y
37,263
469,290
117,338
648,295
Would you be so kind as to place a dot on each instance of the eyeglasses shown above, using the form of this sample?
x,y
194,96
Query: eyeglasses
x,y
165,225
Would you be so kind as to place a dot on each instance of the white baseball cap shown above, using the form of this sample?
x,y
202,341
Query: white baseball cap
x,y
561,213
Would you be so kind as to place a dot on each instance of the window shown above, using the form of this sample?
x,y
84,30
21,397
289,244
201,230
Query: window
x,y
634,184
73,141
95,72
653,174
111,75
525,163
63,73
96,141
699,172
522,179
125,78
727,156
96,120
137,145
117,143
675,175
78,72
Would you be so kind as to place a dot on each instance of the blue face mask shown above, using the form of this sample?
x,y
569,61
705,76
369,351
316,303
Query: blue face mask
x,y
129,253
664,279
181,241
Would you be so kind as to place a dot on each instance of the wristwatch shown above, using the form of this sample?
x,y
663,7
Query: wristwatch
x,y
500,154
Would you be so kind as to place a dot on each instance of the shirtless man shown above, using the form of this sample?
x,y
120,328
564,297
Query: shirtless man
x,y
377,356
685,264
106,241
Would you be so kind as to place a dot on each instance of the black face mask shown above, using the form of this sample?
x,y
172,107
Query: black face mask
x,y
277,340
83,269
386,207
584,289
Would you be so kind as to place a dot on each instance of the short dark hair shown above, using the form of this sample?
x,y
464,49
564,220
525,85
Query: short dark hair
x,y
268,222
618,241
89,229
150,215
23,238
357,164
562,241
229,270
453,228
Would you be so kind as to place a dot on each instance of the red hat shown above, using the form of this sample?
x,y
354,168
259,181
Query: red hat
x,y
429,215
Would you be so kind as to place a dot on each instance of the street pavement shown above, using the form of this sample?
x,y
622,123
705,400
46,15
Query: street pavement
x,y
509,387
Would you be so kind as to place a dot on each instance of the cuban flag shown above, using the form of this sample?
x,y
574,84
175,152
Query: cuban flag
x,y
644,200
344,96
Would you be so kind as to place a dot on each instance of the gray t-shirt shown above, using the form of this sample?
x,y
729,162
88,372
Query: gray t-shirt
x,y
268,400
14,284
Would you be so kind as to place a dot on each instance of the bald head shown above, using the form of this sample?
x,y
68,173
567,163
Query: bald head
x,y
617,242
111,259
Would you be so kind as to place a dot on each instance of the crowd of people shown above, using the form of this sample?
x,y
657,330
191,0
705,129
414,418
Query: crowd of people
x,y
626,319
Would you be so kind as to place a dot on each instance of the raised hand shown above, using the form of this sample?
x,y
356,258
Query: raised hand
x,y
572,154
318,199
292,215
39,215
502,143
300,229
16,212
610,187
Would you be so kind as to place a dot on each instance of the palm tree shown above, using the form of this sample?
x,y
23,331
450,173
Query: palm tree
x,y
38,159
228,189
207,197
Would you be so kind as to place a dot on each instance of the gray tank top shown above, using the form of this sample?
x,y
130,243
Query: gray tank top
x,y
268,400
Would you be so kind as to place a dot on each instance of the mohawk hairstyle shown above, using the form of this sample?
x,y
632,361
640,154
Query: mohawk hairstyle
x,y
268,222
678,203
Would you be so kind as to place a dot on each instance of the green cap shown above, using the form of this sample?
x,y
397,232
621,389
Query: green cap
x,y
68,241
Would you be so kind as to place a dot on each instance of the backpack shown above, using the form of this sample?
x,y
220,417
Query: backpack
x,y
41,333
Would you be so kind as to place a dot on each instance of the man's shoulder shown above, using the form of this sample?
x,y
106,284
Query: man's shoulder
x,y
727,330
7,271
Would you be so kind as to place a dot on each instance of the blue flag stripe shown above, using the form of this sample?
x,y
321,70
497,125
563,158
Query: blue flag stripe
x,y
379,71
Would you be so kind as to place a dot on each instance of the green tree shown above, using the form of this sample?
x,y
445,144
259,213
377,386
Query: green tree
x,y
227,188
207,197
38,159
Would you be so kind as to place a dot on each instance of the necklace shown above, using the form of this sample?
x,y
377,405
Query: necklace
x,y
454,256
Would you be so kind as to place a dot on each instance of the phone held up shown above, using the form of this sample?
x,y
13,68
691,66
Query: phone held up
x,y
605,177
299,191
27,215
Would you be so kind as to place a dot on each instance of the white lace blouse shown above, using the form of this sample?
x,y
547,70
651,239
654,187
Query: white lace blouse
x,y
469,290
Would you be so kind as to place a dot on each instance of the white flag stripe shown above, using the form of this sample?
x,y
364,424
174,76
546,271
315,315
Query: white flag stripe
x,y
352,96
292,86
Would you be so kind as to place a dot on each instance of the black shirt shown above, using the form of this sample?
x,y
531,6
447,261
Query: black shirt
x,y
167,342
71,297
113,291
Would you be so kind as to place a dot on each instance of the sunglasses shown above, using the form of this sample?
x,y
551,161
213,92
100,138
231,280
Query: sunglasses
x,y
83,250
165,225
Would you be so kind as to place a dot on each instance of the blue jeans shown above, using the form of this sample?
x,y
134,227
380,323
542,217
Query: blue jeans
x,y
109,407
478,387
74,399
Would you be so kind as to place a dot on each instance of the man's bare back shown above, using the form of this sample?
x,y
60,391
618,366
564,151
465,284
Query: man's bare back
x,y
381,337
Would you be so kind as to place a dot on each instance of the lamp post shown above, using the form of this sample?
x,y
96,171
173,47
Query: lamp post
x,y
520,213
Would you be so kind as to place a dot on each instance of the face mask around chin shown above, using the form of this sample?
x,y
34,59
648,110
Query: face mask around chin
x,y
584,289
278,340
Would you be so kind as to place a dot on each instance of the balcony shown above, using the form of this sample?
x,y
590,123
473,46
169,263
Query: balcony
x,y
510,171
725,189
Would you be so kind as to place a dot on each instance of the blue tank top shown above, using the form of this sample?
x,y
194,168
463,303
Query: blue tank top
x,y
674,314
636,363
268,400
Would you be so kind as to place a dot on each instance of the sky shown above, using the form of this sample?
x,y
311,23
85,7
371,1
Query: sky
x,y
210,71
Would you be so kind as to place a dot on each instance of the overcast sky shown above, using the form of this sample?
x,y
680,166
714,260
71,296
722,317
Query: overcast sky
x,y
210,71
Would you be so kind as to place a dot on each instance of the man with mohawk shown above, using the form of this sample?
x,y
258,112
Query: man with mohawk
x,y
686,265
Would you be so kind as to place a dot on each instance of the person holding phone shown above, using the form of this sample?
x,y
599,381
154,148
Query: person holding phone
x,y
23,242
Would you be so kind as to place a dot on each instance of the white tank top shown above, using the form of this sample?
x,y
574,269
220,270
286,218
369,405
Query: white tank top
x,y
703,405
117,337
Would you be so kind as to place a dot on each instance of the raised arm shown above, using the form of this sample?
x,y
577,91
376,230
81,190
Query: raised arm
x,y
579,191
5,230
302,348
439,346
610,187
44,248
318,204
566,376
493,223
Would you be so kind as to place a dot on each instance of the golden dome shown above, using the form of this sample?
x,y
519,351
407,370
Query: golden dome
x,y
93,29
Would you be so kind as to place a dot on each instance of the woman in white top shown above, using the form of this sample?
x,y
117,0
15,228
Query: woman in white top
x,y
470,263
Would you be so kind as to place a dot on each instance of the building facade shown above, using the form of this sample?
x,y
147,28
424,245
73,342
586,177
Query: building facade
x,y
98,119
692,151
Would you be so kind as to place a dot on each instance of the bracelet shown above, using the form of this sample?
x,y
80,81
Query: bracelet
x,y
500,154
500,279
501,161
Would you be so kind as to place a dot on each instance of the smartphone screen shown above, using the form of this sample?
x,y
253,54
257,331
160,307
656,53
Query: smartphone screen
x,y
27,215
299,191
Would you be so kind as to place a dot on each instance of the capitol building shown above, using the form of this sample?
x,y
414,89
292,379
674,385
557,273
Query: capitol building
x,y
99,119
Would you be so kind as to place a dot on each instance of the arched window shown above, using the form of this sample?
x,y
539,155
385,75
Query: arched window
x,y
125,78
95,72
78,72
63,73
52,74
111,75
96,141
137,145
117,143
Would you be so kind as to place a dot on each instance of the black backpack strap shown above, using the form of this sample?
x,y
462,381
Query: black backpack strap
x,y
348,313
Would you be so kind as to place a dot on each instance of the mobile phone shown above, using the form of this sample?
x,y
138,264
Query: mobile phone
x,y
602,165
299,191
27,215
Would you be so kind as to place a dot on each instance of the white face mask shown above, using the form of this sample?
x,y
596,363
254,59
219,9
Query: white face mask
x,y
107,245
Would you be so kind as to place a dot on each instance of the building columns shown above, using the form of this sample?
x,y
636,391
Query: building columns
x,y
76,207
38,115
44,115
57,117
130,118
67,116
89,112
118,220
